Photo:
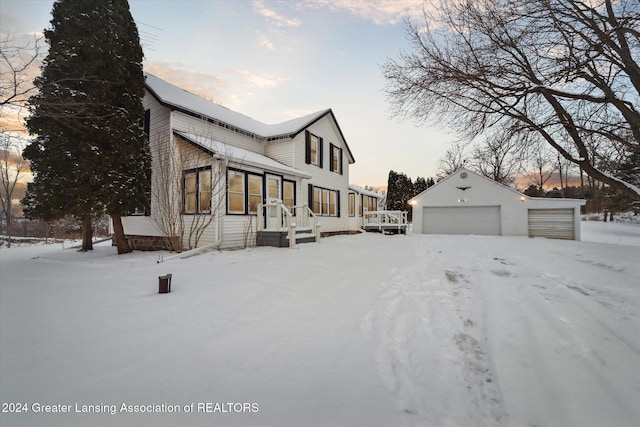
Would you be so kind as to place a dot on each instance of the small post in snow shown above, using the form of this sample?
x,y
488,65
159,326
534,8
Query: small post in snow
x,y
292,235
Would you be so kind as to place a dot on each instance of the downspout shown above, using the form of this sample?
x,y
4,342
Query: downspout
x,y
197,251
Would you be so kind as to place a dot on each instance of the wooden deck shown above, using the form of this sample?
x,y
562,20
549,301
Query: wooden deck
x,y
394,222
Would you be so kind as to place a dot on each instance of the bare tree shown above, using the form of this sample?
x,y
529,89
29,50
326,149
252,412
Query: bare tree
x,y
12,170
566,70
454,158
499,157
18,65
16,62
181,229
539,167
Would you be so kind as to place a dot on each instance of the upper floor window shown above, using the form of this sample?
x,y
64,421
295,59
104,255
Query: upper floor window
x,y
336,159
313,149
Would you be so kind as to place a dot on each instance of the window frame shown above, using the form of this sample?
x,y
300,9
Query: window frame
x,y
243,192
246,194
285,182
335,159
198,190
323,205
310,138
352,204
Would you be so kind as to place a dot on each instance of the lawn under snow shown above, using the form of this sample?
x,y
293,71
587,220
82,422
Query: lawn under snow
x,y
365,330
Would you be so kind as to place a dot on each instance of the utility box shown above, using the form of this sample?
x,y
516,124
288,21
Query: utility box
x,y
164,284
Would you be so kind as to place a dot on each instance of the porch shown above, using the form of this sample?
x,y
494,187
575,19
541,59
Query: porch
x,y
282,227
394,222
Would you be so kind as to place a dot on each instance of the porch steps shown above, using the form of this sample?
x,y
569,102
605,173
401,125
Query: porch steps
x,y
280,239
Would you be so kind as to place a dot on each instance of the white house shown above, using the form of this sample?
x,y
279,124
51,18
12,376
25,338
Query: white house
x,y
231,180
468,203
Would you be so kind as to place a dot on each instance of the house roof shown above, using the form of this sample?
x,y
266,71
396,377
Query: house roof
x,y
176,98
361,190
239,155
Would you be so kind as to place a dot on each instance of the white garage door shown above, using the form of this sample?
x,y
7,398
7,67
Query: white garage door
x,y
484,220
551,223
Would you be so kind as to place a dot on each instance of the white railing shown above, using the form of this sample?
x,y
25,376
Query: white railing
x,y
385,219
277,217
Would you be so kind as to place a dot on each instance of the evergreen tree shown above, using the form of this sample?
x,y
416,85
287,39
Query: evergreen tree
x,y
90,153
419,186
399,191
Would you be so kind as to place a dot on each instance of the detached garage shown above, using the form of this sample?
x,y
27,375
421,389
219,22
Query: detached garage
x,y
468,203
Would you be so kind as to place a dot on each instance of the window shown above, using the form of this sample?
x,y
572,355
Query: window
x,y
317,199
336,159
235,193
370,203
244,192
289,195
352,204
197,191
324,202
332,203
313,149
255,193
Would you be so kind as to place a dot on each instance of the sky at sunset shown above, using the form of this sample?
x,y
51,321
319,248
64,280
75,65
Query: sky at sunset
x,y
276,60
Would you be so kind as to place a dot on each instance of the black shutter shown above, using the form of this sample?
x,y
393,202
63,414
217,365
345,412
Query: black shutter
x,y
310,197
307,147
338,202
340,153
147,123
320,152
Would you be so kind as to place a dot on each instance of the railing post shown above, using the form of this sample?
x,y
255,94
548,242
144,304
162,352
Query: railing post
x,y
292,235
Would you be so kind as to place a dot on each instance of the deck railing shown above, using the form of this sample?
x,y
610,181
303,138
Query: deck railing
x,y
385,220
277,217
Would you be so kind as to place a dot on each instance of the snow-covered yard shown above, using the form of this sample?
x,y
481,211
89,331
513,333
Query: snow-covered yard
x,y
364,330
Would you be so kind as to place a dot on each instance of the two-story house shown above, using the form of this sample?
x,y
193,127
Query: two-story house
x,y
223,179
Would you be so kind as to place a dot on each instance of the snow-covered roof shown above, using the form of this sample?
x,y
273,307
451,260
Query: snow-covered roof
x,y
240,155
177,98
361,190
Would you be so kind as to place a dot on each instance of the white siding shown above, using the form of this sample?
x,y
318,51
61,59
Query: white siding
x,y
237,230
282,151
475,190
324,177
185,123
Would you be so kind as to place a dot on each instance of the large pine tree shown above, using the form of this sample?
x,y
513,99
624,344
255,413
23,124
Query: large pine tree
x,y
90,153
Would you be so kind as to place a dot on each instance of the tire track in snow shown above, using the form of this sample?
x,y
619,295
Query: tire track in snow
x,y
561,326
429,346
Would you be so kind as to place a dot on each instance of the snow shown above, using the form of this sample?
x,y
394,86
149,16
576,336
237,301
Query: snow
x,y
175,96
242,156
365,330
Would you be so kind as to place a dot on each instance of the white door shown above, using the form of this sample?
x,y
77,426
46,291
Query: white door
x,y
274,189
274,195
481,220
